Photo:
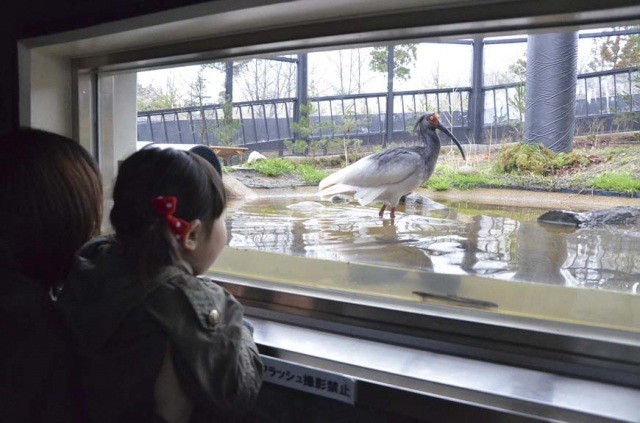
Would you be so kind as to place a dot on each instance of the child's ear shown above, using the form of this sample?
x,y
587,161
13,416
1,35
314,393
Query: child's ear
x,y
191,238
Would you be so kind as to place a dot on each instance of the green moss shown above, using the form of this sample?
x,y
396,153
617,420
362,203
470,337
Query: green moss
x,y
616,182
562,160
536,159
525,158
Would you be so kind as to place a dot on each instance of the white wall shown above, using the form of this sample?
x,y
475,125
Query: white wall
x,y
118,130
50,95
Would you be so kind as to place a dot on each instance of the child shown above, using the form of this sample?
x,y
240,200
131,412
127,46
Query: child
x,y
157,342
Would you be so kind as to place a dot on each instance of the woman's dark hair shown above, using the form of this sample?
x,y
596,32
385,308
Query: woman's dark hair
x,y
152,172
51,202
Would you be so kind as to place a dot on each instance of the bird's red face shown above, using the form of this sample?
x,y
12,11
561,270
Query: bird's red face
x,y
434,120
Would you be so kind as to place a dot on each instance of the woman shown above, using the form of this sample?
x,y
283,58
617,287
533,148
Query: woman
x,y
50,204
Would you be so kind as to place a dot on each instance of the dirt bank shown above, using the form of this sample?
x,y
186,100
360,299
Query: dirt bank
x,y
263,186
522,198
569,188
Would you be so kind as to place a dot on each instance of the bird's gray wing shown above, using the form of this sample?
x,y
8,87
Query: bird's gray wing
x,y
385,168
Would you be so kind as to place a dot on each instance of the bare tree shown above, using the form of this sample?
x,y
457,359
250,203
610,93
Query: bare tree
x,y
197,89
263,79
350,68
197,96
150,97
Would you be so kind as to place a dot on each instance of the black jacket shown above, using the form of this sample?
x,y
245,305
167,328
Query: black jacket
x,y
38,378
124,326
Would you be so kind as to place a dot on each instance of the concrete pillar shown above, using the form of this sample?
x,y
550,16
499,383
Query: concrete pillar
x,y
476,109
552,68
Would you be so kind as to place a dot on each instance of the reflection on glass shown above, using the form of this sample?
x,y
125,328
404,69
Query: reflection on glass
x,y
501,242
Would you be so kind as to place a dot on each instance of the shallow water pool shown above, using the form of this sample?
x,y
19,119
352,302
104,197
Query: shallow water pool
x,y
456,238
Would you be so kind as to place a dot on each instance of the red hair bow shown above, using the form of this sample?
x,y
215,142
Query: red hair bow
x,y
166,206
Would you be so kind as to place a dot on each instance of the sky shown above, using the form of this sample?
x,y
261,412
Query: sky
x,y
448,64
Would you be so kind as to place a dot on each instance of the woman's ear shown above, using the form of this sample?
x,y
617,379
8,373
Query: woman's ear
x,y
192,237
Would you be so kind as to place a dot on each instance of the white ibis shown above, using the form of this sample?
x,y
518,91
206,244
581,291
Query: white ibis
x,y
390,174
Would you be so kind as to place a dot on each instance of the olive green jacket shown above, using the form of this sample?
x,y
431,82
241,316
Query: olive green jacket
x,y
124,326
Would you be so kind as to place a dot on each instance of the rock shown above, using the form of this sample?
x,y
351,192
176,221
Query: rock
x,y
614,216
467,170
253,179
236,189
339,198
562,217
255,156
308,206
617,216
413,199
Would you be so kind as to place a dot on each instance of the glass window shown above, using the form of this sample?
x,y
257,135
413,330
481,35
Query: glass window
x,y
473,271
492,257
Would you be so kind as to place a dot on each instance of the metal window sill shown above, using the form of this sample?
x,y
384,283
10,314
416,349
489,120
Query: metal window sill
x,y
507,391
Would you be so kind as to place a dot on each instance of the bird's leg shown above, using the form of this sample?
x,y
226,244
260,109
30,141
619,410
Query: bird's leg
x,y
384,206
393,213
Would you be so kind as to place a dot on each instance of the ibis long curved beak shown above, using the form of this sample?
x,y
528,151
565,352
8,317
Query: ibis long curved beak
x,y
446,131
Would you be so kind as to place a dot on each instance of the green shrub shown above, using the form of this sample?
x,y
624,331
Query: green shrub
x,y
315,146
310,174
298,147
274,166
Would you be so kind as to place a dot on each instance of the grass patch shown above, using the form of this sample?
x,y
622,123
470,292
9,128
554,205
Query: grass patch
x,y
470,181
273,166
276,166
447,176
616,182
528,166
310,174
438,183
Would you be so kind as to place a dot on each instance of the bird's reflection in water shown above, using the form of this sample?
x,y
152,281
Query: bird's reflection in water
x,y
373,241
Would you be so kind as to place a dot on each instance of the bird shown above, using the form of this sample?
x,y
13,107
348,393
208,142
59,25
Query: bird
x,y
390,174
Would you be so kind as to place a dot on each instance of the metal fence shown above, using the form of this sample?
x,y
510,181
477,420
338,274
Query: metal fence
x,y
603,100
270,122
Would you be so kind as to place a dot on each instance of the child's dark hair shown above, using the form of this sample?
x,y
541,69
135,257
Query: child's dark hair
x,y
153,172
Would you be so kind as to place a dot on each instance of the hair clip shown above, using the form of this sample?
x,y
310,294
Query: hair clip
x,y
166,206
